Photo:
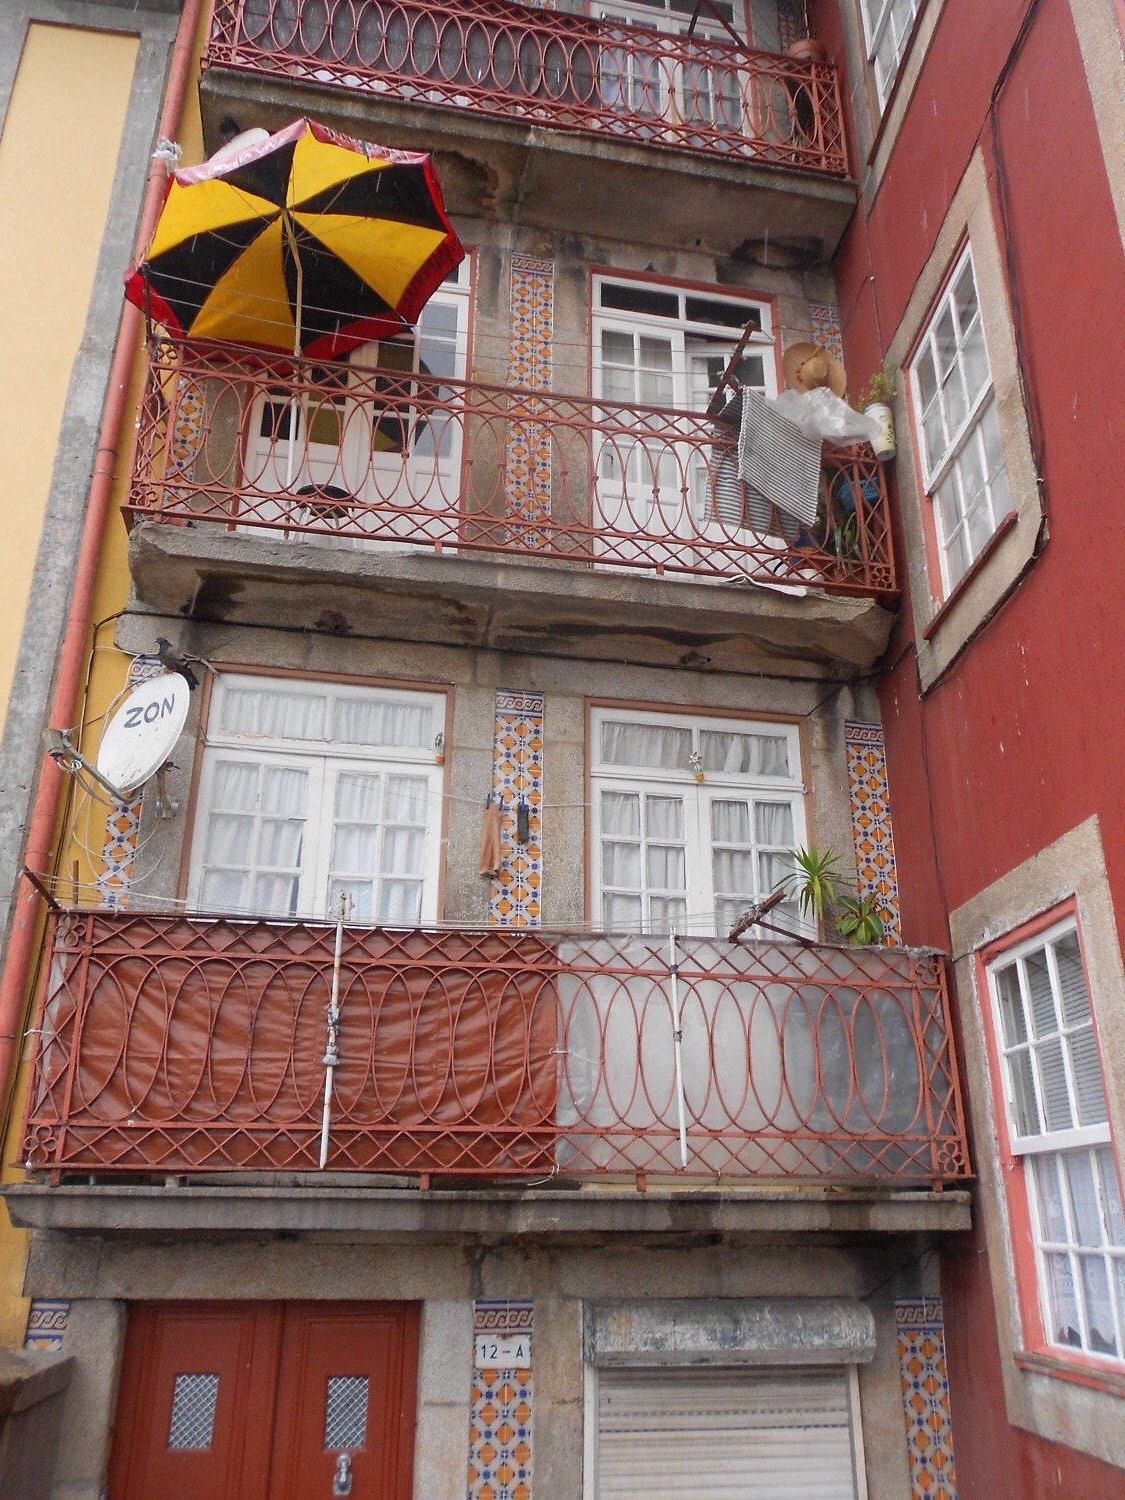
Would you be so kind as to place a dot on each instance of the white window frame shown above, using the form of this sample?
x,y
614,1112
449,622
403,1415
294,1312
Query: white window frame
x,y
673,90
697,797
639,490
1043,1149
355,463
881,21
324,760
972,434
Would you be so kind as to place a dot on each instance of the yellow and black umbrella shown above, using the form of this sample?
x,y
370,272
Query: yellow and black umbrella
x,y
306,241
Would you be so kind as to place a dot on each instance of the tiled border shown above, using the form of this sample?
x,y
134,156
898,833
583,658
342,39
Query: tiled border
x,y
46,1325
527,454
123,822
870,797
500,1417
517,771
790,22
920,1322
824,321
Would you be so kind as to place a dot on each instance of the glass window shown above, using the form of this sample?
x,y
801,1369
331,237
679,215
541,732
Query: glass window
x,y
314,790
1059,1128
962,455
887,25
674,852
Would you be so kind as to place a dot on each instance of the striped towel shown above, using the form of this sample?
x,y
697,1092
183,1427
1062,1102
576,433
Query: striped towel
x,y
776,459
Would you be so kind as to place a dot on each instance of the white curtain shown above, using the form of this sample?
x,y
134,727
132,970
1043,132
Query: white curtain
x,y
255,838
744,754
284,714
655,746
379,721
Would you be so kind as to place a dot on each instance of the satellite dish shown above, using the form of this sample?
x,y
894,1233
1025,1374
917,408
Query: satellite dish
x,y
140,736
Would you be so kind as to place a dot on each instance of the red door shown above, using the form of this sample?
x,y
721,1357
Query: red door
x,y
267,1401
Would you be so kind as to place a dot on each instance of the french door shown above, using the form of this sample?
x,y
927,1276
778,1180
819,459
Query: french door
x,y
266,1401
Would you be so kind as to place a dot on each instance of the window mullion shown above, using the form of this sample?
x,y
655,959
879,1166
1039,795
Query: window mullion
x,y
320,827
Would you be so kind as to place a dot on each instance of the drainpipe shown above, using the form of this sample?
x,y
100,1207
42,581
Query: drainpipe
x,y
42,825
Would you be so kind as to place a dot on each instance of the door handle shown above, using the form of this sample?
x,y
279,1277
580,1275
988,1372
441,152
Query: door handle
x,y
342,1479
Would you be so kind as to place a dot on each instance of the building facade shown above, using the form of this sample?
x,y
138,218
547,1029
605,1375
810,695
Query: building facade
x,y
512,700
967,277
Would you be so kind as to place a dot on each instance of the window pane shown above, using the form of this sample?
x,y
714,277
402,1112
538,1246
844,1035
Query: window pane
x,y
1048,1189
1011,1006
730,822
665,868
746,754
666,912
1084,1204
1041,1000
365,721
621,813
1023,1087
658,746
1099,1309
275,895
621,865
1111,1196
1072,981
621,913
407,799
927,378
1056,1092
773,823
1065,1326
975,358
734,873
664,817
281,714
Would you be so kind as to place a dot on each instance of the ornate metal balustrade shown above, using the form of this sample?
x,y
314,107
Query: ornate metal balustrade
x,y
376,458
173,1044
566,72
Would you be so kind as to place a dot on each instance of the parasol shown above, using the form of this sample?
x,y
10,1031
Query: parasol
x,y
305,241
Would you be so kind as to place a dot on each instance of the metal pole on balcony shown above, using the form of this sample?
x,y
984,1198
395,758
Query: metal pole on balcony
x,y
332,1050
677,1042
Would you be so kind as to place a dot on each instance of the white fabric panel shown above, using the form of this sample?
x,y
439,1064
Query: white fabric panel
x,y
376,721
281,713
648,745
745,754
724,1435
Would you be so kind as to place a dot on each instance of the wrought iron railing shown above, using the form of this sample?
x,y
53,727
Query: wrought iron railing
x,y
376,458
173,1044
567,72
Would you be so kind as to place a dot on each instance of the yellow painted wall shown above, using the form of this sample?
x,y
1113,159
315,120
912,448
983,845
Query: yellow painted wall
x,y
58,156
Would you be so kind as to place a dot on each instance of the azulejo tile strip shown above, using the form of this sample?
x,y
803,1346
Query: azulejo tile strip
x,y
920,1322
123,821
527,454
870,797
824,319
790,22
46,1325
517,775
500,1415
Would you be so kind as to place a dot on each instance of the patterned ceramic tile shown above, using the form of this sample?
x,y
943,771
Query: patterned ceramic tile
x,y
791,21
123,822
925,1394
871,823
527,456
824,319
46,1325
500,1417
517,773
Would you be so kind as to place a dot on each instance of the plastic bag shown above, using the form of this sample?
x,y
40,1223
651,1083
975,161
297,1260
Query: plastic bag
x,y
820,414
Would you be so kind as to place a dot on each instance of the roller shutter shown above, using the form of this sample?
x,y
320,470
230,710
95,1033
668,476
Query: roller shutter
x,y
670,1434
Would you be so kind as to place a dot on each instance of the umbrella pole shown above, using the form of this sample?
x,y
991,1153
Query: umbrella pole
x,y
332,1050
295,402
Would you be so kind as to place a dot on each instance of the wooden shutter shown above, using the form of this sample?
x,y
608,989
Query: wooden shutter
x,y
724,1435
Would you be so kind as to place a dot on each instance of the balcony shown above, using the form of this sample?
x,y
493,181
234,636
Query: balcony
x,y
601,103
372,484
195,1046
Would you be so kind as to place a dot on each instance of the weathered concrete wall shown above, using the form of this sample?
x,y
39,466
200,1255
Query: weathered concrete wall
x,y
101,1276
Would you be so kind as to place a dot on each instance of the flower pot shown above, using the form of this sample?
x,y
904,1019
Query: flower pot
x,y
884,443
808,49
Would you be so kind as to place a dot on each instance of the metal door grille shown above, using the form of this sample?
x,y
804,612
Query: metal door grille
x,y
345,1416
192,1424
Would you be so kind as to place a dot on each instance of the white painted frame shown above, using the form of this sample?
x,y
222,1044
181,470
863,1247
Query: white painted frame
x,y
880,19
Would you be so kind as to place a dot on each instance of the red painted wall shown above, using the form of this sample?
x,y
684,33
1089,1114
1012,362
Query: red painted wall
x,y
1022,739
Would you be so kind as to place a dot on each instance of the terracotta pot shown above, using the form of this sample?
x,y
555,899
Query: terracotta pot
x,y
884,444
808,49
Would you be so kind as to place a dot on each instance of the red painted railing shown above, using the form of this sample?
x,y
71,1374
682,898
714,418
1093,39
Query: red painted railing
x,y
377,457
566,72
187,1044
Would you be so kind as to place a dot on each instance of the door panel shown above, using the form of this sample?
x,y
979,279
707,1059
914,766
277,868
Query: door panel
x,y
346,1385
259,1400
197,1390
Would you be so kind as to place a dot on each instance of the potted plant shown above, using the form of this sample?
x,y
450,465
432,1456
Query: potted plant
x,y
813,881
874,400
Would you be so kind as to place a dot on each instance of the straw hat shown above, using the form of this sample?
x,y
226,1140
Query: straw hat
x,y
806,366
